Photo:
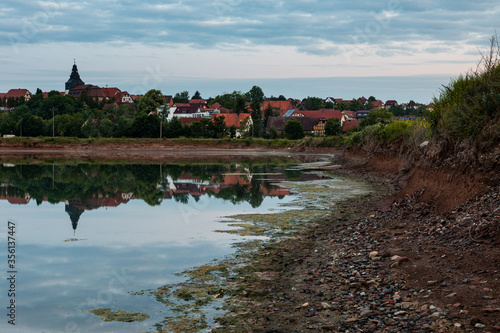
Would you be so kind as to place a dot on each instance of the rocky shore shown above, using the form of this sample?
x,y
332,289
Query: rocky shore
x,y
424,257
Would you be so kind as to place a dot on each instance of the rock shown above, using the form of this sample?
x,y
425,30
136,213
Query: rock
x,y
373,254
400,313
325,305
479,325
491,310
424,144
451,295
399,258
431,283
305,305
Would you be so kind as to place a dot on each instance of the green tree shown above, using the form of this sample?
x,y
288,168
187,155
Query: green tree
x,y
342,106
175,128
219,127
329,105
146,126
333,127
150,101
294,130
182,97
312,103
32,126
377,116
255,95
196,95
240,105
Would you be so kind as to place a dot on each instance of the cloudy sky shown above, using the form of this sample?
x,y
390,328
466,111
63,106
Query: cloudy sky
x,y
398,49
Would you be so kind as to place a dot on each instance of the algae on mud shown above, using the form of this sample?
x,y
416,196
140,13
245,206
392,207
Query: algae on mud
x,y
213,284
107,314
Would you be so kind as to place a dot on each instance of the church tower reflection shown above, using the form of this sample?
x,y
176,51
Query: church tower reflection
x,y
74,215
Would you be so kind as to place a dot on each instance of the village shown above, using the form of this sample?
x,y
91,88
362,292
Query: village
x,y
110,112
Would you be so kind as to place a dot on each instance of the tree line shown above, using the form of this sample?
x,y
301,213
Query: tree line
x,y
85,117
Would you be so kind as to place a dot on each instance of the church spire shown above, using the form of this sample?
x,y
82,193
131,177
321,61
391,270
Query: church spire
x,y
74,78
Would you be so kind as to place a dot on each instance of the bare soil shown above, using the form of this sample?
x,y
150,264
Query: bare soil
x,y
423,257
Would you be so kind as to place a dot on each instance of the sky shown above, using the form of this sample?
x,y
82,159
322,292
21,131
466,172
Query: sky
x,y
392,49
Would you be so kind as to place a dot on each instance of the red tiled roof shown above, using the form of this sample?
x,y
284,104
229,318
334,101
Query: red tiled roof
x,y
233,119
323,113
391,102
110,92
283,106
198,101
189,121
278,123
16,93
349,124
350,114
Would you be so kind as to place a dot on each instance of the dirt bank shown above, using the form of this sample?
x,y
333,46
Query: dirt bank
x,y
424,257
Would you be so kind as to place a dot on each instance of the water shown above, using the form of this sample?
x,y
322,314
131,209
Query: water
x,y
86,236
89,236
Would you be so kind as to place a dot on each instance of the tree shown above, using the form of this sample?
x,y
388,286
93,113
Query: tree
x,y
342,106
294,130
255,95
312,103
219,127
240,105
196,95
333,127
146,126
377,116
182,97
150,101
175,128
329,105
355,105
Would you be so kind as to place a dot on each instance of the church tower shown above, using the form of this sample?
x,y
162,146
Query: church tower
x,y
74,79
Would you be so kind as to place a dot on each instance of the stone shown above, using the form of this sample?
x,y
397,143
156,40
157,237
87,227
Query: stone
x,y
479,325
400,313
431,283
451,295
373,254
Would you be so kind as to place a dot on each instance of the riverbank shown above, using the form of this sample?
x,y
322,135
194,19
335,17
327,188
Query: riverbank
x,y
423,257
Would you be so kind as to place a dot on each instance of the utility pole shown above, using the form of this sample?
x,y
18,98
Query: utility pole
x,y
53,124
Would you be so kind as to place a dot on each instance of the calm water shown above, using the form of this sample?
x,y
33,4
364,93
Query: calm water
x,y
88,236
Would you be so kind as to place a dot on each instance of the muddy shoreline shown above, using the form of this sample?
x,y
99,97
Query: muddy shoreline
x,y
422,257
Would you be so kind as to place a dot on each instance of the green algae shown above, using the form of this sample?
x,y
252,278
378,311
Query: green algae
x,y
107,314
212,285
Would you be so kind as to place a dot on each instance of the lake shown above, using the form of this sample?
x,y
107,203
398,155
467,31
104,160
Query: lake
x,y
93,236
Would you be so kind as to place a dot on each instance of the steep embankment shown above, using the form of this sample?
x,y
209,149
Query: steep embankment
x,y
423,258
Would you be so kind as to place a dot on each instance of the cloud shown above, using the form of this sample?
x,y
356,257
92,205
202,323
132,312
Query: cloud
x,y
208,24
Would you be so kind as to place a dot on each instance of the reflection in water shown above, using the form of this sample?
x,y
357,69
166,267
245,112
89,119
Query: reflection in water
x,y
85,187
164,223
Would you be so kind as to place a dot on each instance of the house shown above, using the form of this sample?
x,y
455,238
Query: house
x,y
92,91
282,106
377,105
218,106
241,122
169,100
18,93
312,125
349,114
362,114
390,103
350,124
322,113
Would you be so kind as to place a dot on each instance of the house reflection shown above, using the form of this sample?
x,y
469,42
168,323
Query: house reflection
x,y
236,186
